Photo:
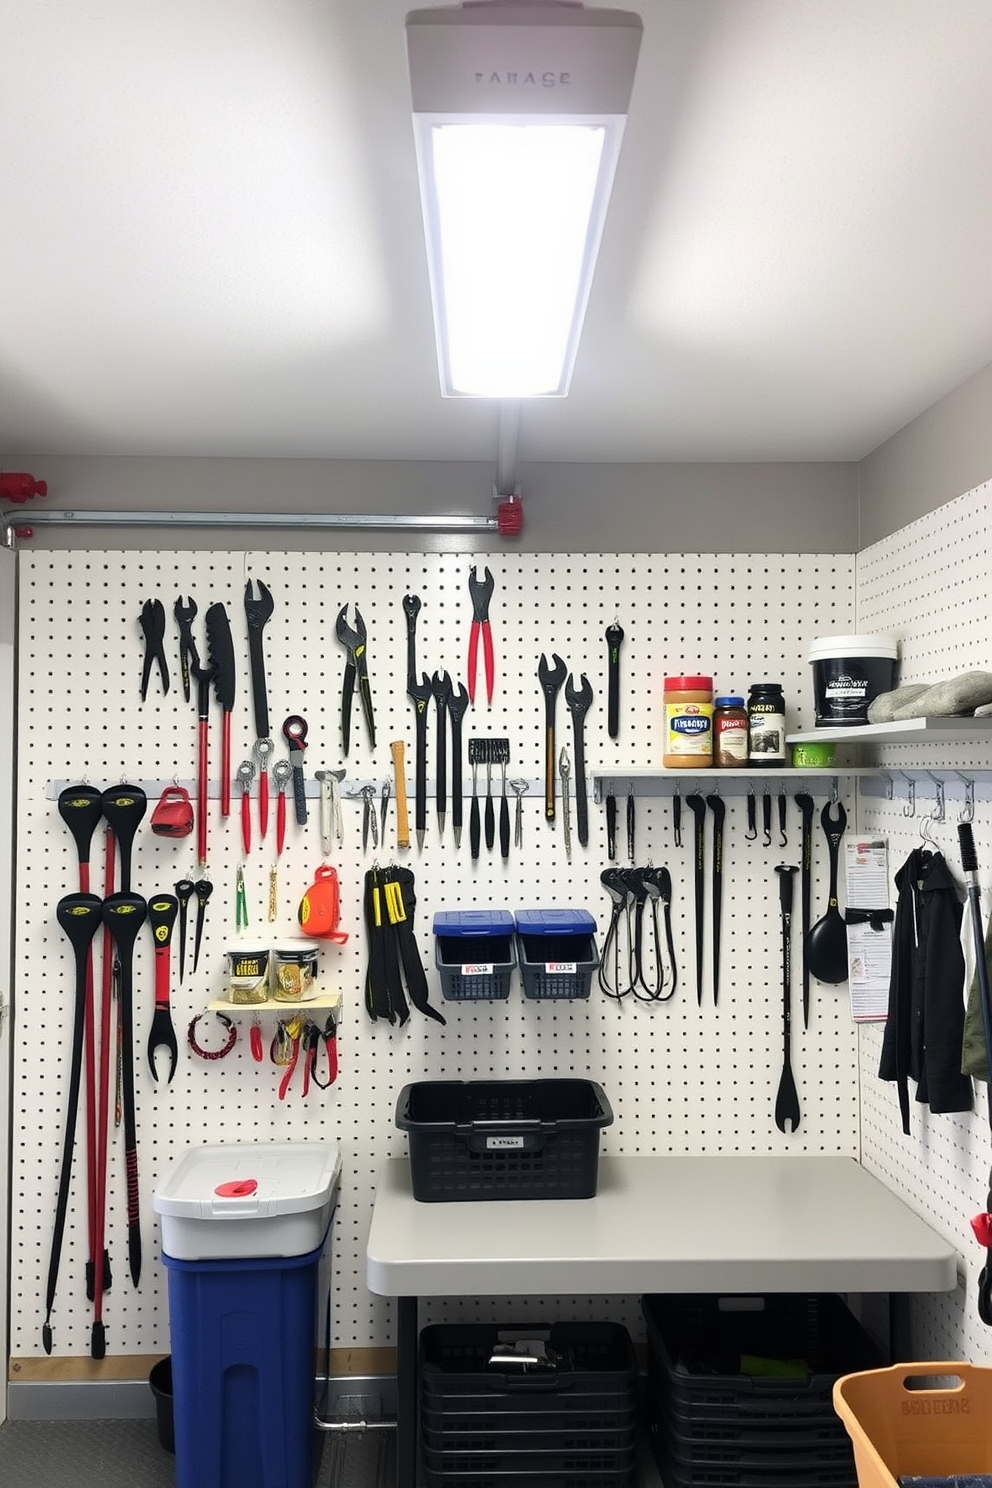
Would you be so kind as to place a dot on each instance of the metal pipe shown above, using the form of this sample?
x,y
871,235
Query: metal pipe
x,y
507,443
348,1426
366,521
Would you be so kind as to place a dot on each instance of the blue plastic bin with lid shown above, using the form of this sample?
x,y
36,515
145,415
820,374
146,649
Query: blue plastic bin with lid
x,y
557,952
244,1228
474,953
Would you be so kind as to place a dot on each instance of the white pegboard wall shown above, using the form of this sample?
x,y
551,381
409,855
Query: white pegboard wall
x,y
928,586
680,1078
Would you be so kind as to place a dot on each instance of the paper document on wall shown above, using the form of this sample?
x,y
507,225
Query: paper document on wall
x,y
869,928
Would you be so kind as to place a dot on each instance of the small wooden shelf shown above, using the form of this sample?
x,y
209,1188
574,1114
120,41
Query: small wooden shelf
x,y
323,1002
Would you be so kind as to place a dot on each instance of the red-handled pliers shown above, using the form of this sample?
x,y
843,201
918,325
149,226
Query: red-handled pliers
x,y
481,592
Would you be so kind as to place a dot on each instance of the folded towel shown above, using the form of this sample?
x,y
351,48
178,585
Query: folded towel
x,y
958,695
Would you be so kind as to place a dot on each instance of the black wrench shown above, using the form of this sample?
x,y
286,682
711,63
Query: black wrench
x,y
257,614
411,609
579,701
457,707
421,694
162,913
185,613
441,686
184,889
551,679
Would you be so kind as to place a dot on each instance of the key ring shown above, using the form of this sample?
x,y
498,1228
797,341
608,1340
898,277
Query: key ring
x,y
232,1037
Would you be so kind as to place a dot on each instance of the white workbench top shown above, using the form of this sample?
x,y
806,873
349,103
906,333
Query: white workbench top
x,y
663,1224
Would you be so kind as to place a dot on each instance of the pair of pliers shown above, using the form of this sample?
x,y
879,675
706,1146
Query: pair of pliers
x,y
354,640
481,591
153,628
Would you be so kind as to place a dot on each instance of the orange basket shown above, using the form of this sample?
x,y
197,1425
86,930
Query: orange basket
x,y
917,1419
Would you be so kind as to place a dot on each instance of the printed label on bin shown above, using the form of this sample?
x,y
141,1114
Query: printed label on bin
x,y
561,968
477,968
493,1142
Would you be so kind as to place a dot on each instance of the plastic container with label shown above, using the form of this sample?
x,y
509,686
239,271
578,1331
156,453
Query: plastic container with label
x,y
730,733
688,723
849,673
766,746
473,952
557,952
294,970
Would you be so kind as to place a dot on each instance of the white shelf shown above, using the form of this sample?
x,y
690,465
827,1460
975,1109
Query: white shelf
x,y
906,731
662,782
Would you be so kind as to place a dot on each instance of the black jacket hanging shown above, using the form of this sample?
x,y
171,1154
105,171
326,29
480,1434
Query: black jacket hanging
x,y
922,1039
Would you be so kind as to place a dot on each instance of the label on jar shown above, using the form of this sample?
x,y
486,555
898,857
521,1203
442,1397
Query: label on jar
x,y
730,743
689,729
766,735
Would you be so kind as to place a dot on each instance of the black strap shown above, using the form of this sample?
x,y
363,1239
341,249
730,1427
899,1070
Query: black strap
x,y
409,951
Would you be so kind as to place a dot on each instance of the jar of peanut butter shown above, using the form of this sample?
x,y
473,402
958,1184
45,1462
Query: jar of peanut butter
x,y
688,723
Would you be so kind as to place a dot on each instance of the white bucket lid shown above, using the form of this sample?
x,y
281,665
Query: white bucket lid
x,y
825,647
271,1178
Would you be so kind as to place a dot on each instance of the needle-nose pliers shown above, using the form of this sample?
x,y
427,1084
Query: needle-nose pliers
x,y
481,591
354,639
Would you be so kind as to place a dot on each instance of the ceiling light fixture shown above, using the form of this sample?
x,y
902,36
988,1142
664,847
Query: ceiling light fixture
x,y
519,108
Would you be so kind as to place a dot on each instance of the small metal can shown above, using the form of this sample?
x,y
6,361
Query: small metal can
x,y
247,974
294,970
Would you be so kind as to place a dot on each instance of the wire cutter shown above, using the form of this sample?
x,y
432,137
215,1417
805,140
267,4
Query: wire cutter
x,y
481,591
354,640
153,628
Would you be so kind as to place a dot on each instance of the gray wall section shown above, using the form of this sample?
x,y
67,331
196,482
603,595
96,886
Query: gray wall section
x,y
937,457
709,508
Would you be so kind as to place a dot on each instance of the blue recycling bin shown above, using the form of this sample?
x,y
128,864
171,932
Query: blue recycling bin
x,y
244,1231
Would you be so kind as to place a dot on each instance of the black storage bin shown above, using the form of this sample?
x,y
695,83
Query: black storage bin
x,y
557,952
573,1426
503,1139
714,1424
474,953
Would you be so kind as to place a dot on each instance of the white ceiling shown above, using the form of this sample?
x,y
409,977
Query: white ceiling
x,y
210,234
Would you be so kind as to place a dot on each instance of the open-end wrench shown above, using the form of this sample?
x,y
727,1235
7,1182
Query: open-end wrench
x,y
162,912
257,613
579,701
441,686
411,609
457,707
421,694
565,770
551,679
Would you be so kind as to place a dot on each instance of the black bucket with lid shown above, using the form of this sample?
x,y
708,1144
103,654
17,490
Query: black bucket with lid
x,y
849,673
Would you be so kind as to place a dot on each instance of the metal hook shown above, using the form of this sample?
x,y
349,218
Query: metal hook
x,y
910,807
889,785
938,811
968,813
925,833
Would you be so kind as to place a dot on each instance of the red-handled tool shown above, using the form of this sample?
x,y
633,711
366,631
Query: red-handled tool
x,y
282,772
481,591
263,751
246,774
220,645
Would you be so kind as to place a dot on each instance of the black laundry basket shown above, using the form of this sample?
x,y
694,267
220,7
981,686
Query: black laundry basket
x,y
503,1139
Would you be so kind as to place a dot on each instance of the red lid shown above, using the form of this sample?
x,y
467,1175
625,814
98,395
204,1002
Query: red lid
x,y
236,1188
688,684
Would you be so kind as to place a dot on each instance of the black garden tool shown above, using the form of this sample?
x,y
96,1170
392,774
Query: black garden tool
x,y
457,707
501,757
162,911
421,694
124,915
579,701
787,1112
697,806
203,889
826,946
257,614
614,640
551,679
220,648
719,809
805,803
123,807
79,916
185,889
81,808
476,757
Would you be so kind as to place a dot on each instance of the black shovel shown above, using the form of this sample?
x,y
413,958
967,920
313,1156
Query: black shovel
x,y
81,807
787,1112
826,945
